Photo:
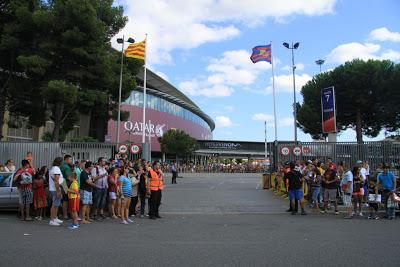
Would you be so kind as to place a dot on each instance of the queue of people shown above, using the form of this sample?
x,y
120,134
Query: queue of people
x,y
326,183
86,192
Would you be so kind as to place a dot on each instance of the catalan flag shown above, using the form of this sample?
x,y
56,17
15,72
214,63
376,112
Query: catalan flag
x,y
261,53
136,50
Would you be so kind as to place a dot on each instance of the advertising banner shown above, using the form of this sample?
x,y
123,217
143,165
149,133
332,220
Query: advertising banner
x,y
328,110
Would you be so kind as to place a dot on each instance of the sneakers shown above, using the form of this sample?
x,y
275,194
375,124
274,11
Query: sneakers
x,y
54,223
73,227
337,212
360,214
124,222
322,211
303,212
129,220
158,216
58,221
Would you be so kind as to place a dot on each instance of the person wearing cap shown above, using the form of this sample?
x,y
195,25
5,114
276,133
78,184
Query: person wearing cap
x,y
294,188
387,182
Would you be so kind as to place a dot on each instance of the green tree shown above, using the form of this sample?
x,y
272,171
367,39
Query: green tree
x,y
178,143
69,46
360,89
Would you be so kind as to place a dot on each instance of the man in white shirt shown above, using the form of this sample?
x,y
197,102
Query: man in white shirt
x,y
10,167
55,179
99,176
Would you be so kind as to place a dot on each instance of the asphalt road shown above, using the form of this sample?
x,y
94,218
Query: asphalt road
x,y
212,220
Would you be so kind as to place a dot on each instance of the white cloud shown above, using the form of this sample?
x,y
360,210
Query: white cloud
x,y
350,51
284,83
196,88
299,67
177,24
383,34
233,68
223,122
262,117
391,54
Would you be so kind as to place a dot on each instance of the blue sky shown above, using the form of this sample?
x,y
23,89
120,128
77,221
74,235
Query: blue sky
x,y
203,48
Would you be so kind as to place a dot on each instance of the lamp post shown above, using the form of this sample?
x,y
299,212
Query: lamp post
x,y
121,41
320,62
293,47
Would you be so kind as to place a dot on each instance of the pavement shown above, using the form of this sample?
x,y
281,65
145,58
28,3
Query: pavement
x,y
208,220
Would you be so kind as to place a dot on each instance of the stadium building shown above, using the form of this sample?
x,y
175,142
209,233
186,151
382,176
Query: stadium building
x,y
166,108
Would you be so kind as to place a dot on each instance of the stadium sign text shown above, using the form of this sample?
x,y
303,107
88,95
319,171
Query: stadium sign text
x,y
136,128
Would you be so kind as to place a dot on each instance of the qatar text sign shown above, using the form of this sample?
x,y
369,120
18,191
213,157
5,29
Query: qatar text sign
x,y
328,110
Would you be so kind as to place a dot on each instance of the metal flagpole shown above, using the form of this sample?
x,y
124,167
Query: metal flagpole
x,y
149,140
120,91
144,100
273,94
265,144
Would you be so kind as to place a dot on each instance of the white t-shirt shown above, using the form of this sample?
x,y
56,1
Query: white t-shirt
x,y
54,171
101,183
364,173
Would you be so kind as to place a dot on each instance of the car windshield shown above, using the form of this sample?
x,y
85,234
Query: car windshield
x,y
5,179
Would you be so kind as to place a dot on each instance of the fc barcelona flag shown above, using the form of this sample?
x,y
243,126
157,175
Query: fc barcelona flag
x,y
261,53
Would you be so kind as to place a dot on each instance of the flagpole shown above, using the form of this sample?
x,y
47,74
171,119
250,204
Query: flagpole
x,y
265,144
120,91
145,148
273,94
144,95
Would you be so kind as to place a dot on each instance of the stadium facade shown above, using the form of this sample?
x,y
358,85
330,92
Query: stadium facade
x,y
166,108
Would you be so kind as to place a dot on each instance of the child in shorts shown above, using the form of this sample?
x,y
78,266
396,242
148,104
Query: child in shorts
x,y
74,200
373,200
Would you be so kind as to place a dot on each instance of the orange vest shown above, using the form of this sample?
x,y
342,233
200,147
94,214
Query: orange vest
x,y
156,181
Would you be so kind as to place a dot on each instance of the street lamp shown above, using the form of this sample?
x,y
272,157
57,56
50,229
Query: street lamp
x,y
121,41
320,62
293,47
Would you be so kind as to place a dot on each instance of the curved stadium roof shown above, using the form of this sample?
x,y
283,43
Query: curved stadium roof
x,y
160,87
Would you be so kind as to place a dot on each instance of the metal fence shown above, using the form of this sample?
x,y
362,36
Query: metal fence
x,y
45,152
371,152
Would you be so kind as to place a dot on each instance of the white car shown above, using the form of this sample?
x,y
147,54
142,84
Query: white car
x,y
8,191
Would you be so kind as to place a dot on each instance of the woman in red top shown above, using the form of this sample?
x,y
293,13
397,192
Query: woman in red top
x,y
39,195
112,190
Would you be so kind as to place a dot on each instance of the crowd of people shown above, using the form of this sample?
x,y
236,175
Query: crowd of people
x,y
87,191
325,184
190,167
118,188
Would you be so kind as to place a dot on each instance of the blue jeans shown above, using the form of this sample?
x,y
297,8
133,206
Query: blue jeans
x,y
295,194
142,203
99,198
315,193
392,212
